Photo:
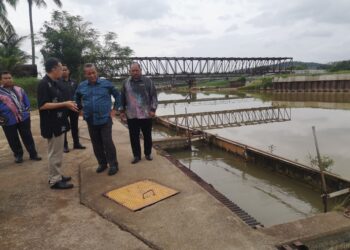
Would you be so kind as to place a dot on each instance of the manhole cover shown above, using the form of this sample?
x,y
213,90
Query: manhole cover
x,y
140,194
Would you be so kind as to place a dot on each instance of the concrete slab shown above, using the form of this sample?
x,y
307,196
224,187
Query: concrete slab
x,y
192,219
309,228
32,216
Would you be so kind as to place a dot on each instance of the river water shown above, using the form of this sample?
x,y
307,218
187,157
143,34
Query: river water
x,y
270,198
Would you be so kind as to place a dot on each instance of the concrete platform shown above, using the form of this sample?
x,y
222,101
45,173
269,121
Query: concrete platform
x,y
192,219
32,216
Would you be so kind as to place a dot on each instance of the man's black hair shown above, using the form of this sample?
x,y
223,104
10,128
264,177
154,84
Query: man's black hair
x,y
136,64
51,63
89,65
5,72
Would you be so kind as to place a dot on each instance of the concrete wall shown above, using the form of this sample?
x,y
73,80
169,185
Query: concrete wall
x,y
338,83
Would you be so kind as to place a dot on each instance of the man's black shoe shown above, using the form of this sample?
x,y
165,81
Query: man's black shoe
x,y
101,168
135,160
113,169
62,185
36,158
19,159
66,149
79,146
149,157
66,178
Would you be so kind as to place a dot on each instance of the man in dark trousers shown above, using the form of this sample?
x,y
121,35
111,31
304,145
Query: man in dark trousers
x,y
93,96
138,105
72,115
53,106
14,109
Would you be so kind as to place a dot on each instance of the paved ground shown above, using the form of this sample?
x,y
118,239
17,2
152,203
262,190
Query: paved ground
x,y
32,216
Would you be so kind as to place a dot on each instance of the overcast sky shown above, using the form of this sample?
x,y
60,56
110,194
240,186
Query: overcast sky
x,y
307,30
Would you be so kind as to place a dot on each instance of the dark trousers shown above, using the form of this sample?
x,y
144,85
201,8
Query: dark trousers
x,y
73,120
145,125
23,128
102,143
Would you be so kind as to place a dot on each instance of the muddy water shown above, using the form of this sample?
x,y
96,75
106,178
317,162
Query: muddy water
x,y
329,112
270,198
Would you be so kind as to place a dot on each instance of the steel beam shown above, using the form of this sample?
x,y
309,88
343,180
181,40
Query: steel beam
x,y
172,67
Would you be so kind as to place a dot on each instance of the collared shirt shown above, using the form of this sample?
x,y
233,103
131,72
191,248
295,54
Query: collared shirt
x,y
138,98
53,122
95,100
14,105
71,86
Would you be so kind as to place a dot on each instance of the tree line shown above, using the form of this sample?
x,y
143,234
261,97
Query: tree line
x,y
66,37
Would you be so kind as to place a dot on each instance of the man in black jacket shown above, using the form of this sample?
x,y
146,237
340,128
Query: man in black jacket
x,y
72,115
53,106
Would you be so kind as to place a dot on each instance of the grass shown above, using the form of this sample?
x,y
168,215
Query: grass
x,y
216,83
29,84
257,84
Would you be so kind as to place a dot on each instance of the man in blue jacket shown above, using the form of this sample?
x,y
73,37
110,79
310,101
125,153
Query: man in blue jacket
x,y
93,96
14,110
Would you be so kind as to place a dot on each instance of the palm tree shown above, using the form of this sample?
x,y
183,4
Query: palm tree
x,y
38,3
5,25
10,53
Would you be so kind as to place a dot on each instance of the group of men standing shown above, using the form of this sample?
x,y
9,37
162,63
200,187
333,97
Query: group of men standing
x,y
60,98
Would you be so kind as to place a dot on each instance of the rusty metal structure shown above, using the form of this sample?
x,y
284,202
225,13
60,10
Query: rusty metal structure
x,y
229,118
195,67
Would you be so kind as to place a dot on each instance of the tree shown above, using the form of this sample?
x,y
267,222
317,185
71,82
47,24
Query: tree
x,y
105,52
75,42
68,38
10,53
38,3
5,25
341,65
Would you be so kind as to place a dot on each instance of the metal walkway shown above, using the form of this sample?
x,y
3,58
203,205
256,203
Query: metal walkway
x,y
229,118
174,67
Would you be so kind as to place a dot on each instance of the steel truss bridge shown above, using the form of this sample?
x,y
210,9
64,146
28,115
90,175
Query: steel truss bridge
x,y
195,67
229,118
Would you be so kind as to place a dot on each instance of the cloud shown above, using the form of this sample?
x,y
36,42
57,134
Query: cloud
x,y
166,31
232,28
143,9
322,11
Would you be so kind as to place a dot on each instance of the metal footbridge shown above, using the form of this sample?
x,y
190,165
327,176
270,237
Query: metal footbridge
x,y
228,118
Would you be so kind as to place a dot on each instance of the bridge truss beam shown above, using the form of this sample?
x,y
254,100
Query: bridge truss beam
x,y
171,67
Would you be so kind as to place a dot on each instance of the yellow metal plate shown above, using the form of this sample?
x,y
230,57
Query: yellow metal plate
x,y
140,194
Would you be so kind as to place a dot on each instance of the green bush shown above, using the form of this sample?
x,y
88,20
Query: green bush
x,y
214,83
29,84
258,84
